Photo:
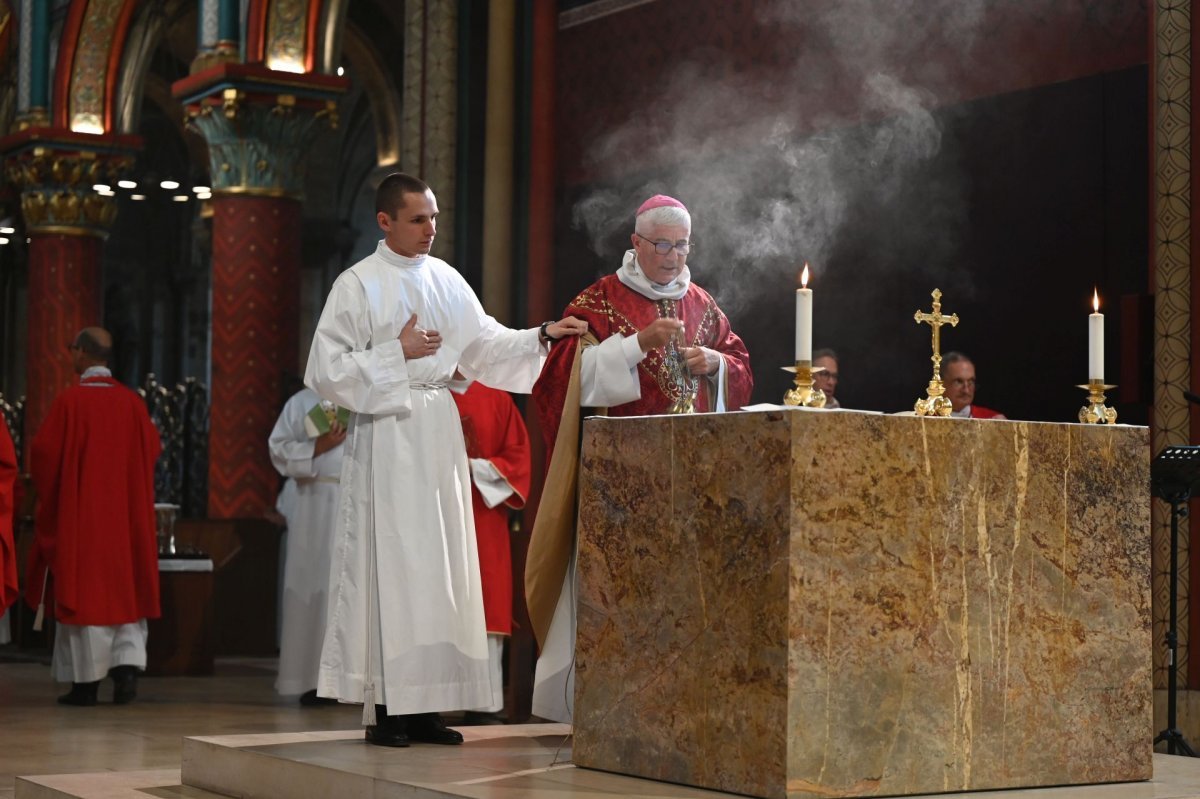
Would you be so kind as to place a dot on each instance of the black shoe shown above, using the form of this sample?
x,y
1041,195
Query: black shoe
x,y
310,699
429,728
477,718
389,731
82,694
124,684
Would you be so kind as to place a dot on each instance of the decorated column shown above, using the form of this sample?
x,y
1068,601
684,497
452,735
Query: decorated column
x,y
258,124
66,221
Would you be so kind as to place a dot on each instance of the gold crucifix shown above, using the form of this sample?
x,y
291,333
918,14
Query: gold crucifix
x,y
935,404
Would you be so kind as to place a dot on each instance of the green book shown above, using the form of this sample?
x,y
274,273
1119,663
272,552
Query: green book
x,y
320,418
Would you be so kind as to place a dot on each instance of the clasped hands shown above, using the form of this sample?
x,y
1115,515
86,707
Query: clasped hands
x,y
660,332
417,342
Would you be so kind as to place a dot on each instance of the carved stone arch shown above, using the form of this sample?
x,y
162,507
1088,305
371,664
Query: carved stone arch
x,y
380,88
151,23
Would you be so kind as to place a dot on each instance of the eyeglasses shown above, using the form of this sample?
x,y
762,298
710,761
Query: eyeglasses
x,y
664,247
72,347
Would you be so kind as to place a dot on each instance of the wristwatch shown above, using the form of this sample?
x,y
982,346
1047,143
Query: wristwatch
x,y
542,334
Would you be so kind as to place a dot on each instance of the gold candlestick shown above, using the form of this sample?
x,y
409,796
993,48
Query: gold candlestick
x,y
1096,412
935,403
803,393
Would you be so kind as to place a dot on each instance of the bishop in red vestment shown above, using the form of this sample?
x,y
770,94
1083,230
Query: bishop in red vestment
x,y
498,454
95,555
657,343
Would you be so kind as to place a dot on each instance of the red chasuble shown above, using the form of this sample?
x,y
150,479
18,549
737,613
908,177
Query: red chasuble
x,y
8,552
980,412
493,429
93,467
610,307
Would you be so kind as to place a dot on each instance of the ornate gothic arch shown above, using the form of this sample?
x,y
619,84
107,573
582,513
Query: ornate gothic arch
x,y
90,53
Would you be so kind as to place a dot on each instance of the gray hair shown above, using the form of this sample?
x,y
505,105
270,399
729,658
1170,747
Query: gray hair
x,y
824,352
663,215
954,356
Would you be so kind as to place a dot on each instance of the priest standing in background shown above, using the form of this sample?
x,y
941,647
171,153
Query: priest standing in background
x,y
406,624
498,454
8,552
306,446
95,554
657,343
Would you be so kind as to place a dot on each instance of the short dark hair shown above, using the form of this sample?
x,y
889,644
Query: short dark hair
x,y
389,197
91,347
954,356
824,352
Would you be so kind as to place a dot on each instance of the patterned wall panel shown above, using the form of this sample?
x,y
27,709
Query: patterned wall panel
x,y
255,289
89,73
1172,104
429,137
65,296
286,35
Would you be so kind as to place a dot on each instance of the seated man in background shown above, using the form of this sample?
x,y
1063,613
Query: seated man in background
x,y
826,380
958,375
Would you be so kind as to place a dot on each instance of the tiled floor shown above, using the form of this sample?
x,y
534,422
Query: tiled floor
x,y
140,746
39,736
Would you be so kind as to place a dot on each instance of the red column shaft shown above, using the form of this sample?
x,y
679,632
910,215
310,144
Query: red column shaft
x,y
255,290
542,175
65,296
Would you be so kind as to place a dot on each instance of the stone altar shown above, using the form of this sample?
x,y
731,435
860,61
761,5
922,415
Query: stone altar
x,y
804,603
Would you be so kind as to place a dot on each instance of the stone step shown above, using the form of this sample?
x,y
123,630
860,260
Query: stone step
x,y
531,761
528,761
143,784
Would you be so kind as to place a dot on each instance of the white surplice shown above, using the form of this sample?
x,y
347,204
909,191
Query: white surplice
x,y
310,514
405,591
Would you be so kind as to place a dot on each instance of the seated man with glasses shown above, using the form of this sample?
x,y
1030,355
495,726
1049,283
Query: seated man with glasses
x,y
656,343
827,379
958,375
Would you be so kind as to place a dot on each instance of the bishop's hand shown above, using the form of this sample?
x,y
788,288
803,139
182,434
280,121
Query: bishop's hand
x,y
418,342
702,360
658,333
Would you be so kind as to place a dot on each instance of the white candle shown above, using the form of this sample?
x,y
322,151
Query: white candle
x,y
804,319
1096,340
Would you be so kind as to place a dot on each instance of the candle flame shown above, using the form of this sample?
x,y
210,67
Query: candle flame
x,y
1096,300
804,276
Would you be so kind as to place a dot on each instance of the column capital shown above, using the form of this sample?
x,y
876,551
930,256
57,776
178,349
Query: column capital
x,y
56,171
258,123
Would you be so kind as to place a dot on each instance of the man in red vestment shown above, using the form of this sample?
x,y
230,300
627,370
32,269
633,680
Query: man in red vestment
x,y
958,375
95,553
657,343
498,454
8,552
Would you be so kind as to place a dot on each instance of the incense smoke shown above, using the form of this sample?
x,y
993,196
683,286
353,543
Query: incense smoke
x,y
770,187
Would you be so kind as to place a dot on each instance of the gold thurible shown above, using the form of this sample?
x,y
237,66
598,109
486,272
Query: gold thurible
x,y
935,402
1096,412
802,393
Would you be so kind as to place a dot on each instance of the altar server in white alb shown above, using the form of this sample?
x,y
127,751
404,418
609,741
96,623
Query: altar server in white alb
x,y
312,457
405,628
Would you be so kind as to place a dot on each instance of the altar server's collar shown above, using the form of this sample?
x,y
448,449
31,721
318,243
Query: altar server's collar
x,y
396,259
631,275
